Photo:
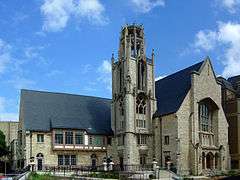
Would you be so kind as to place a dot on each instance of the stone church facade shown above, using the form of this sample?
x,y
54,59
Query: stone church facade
x,y
177,121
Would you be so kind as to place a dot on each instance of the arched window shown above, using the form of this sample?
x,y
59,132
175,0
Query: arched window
x,y
205,118
141,105
141,74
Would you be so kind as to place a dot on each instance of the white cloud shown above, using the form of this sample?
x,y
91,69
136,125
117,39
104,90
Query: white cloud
x,y
230,5
105,67
160,77
91,9
105,74
145,6
58,12
5,55
227,36
206,40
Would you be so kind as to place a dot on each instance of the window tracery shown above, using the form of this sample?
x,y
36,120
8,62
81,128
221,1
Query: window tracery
x,y
141,105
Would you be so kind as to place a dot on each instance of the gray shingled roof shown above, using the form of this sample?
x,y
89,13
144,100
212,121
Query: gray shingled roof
x,y
234,81
42,111
225,83
171,90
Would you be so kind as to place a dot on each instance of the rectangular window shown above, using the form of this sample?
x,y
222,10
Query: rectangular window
x,y
90,140
166,140
98,140
79,138
40,138
73,159
60,160
67,160
59,137
141,123
68,137
142,139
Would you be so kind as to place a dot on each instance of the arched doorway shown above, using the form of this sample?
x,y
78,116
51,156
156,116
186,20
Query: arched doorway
x,y
121,163
209,159
203,160
94,161
40,158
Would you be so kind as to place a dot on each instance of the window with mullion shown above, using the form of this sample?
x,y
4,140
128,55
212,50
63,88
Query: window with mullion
x,y
205,118
73,159
79,138
59,137
60,160
68,137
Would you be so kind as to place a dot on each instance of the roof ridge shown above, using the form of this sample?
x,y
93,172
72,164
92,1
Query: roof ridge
x,y
181,70
63,93
233,77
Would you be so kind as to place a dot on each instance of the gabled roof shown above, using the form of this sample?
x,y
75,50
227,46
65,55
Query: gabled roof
x,y
42,111
171,90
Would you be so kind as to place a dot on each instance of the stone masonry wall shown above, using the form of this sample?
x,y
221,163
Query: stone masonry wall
x,y
51,157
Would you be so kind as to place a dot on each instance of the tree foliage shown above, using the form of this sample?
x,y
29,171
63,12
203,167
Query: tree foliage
x,y
3,147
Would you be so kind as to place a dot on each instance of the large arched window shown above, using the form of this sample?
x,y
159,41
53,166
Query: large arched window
x,y
207,114
141,105
205,117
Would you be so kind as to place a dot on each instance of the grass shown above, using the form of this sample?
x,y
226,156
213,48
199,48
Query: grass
x,y
35,176
105,175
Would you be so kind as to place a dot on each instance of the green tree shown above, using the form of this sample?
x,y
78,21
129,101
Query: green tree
x,y
3,147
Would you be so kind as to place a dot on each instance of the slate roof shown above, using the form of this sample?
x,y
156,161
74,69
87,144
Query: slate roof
x,y
42,111
225,83
235,80
171,90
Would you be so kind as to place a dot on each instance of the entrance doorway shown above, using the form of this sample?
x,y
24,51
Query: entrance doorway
x,y
209,159
94,161
40,161
121,163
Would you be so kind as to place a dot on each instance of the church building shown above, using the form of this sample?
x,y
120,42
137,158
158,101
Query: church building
x,y
177,121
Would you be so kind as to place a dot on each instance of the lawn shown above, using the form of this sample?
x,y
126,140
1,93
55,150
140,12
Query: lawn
x,y
35,176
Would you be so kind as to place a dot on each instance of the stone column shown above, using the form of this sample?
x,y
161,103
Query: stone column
x,y
205,163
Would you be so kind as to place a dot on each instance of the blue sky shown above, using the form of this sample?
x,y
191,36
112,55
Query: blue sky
x,y
66,45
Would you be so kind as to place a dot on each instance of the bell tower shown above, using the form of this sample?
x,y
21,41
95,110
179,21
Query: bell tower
x,y
133,98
